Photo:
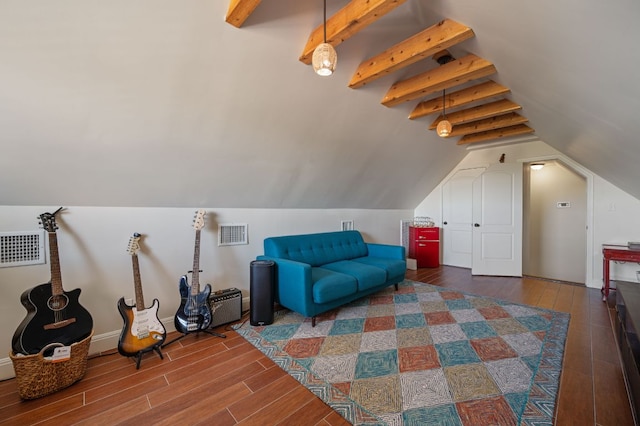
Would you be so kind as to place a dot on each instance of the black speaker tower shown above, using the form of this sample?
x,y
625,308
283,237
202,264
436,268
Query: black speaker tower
x,y
261,287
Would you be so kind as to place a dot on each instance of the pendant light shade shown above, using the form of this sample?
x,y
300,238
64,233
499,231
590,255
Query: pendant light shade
x,y
324,57
444,126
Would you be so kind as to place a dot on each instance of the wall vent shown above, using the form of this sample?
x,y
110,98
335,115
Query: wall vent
x,y
232,234
22,248
404,234
346,225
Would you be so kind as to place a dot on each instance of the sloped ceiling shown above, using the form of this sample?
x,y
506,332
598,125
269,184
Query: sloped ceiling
x,y
162,103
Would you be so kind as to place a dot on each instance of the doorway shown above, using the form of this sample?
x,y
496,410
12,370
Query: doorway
x,y
555,222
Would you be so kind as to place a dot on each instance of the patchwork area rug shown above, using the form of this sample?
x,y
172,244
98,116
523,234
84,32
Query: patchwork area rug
x,y
424,355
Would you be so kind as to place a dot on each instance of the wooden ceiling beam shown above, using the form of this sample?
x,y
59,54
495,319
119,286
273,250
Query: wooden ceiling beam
x,y
456,72
239,11
479,92
436,38
518,129
503,106
492,123
345,23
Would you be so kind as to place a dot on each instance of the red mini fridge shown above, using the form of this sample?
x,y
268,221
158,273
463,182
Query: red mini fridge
x,y
424,246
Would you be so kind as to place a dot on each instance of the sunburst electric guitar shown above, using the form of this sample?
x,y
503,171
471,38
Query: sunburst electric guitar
x,y
142,330
194,313
53,315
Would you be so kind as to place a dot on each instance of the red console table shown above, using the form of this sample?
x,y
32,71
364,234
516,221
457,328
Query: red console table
x,y
620,253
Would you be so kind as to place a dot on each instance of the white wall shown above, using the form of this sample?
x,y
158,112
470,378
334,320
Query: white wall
x,y
614,216
93,255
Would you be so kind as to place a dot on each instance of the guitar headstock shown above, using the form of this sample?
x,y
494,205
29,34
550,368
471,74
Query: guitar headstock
x,y
198,221
48,221
133,246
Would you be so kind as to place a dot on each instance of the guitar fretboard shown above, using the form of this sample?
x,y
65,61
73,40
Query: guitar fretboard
x,y
56,275
195,278
137,283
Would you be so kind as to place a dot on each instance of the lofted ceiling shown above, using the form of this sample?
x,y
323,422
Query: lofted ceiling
x,y
163,103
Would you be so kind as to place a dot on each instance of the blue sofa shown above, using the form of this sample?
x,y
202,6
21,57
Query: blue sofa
x,y
318,272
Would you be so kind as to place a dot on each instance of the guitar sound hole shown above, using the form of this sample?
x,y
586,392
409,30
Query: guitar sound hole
x,y
58,302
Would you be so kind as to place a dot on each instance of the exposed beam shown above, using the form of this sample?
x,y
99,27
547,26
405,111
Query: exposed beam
x,y
456,72
239,11
355,16
492,123
503,106
436,38
479,92
519,129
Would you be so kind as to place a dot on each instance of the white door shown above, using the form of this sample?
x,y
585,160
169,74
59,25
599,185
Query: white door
x,y
457,195
497,221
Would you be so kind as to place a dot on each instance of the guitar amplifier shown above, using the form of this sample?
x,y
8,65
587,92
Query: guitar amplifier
x,y
226,306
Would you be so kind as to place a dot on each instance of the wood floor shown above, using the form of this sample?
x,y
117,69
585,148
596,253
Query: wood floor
x,y
212,381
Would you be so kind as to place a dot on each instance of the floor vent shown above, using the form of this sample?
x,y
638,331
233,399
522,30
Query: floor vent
x,y
232,234
346,225
22,248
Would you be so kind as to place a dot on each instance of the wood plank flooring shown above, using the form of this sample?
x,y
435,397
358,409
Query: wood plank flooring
x,y
212,381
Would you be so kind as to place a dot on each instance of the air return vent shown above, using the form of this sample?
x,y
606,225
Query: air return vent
x,y
346,225
404,233
22,248
232,234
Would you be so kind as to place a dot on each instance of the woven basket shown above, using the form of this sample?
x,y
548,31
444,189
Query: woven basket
x,y
37,376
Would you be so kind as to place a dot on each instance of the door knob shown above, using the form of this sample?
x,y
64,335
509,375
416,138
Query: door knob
x,y
477,225
444,223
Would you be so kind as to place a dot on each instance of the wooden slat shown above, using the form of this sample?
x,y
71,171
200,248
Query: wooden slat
x,y
438,37
492,123
456,72
239,11
519,129
479,92
479,112
352,18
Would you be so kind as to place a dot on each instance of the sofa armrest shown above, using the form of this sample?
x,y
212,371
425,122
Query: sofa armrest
x,y
386,250
294,286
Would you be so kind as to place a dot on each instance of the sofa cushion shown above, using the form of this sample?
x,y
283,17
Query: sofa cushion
x,y
368,276
317,249
329,285
394,267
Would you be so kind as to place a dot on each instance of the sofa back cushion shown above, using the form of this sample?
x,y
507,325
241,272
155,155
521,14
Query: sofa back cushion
x,y
317,249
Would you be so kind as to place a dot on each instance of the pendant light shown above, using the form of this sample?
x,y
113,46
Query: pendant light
x,y
444,126
324,57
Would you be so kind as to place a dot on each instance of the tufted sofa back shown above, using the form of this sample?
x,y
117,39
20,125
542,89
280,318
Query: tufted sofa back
x,y
317,249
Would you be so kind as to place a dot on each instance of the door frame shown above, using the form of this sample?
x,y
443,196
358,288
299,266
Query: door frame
x,y
589,253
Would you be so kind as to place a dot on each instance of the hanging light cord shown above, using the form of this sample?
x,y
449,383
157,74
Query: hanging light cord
x,y
444,108
325,21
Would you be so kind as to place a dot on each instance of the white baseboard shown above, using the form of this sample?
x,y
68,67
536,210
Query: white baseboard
x,y
99,343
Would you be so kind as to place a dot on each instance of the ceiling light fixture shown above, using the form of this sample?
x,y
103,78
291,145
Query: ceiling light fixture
x,y
444,125
324,57
536,166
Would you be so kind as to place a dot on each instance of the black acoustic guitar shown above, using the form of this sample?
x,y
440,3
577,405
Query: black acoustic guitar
x,y
142,330
53,315
194,313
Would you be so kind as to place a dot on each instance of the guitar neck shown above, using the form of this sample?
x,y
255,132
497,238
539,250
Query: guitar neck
x,y
195,278
56,276
137,283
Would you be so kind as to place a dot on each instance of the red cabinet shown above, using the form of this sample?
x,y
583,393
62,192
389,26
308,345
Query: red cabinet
x,y
424,246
